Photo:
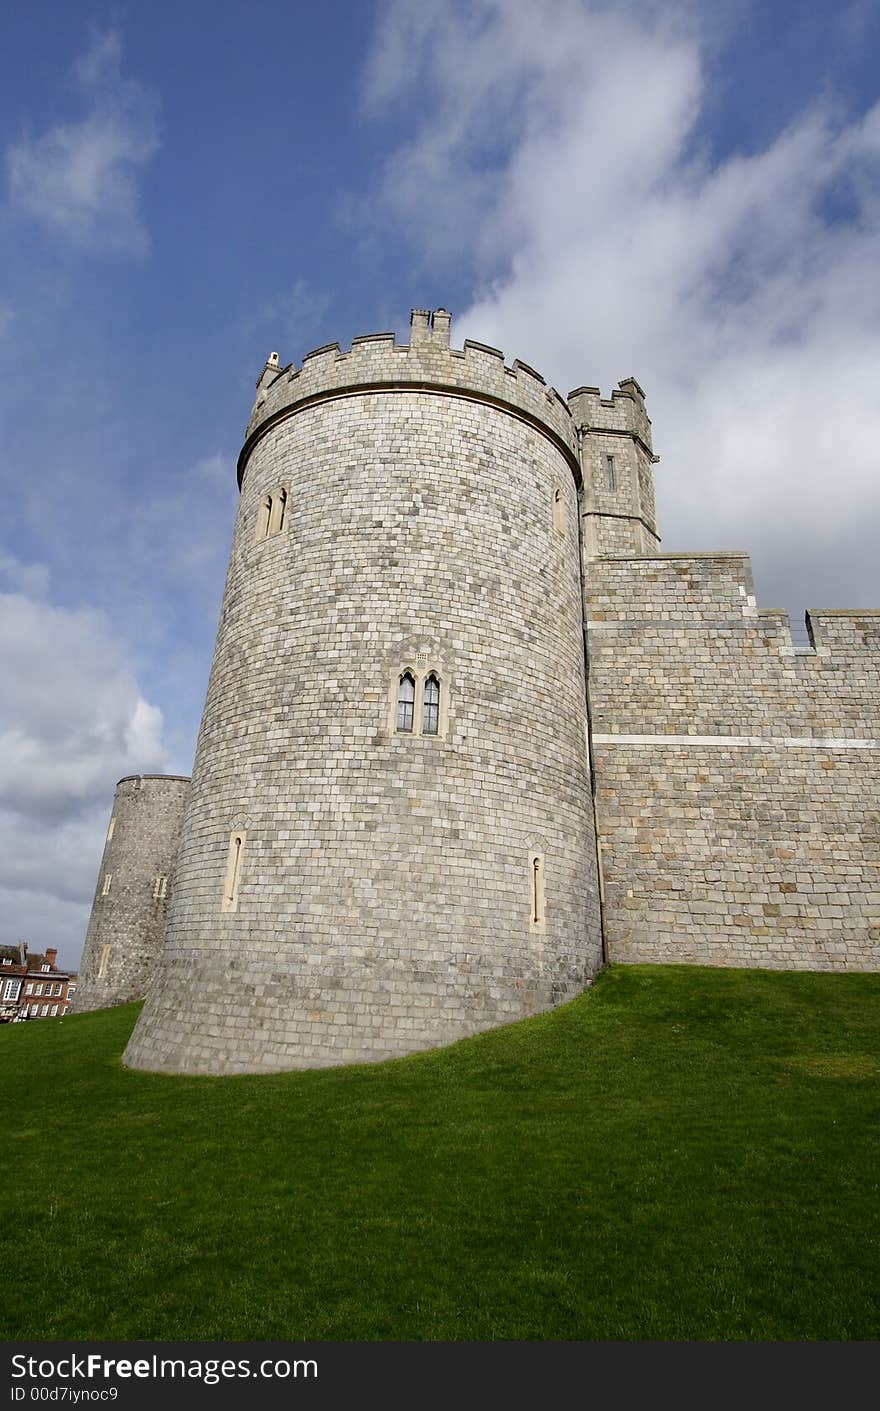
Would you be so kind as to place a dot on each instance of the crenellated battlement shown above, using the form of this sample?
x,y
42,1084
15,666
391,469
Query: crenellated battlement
x,y
687,650
377,362
623,413
846,632
844,635
714,591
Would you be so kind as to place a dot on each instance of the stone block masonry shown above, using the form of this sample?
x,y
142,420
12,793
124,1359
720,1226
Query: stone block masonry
x,y
737,778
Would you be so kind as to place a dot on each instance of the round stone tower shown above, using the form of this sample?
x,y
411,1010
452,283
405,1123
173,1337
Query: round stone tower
x,y
134,889
389,843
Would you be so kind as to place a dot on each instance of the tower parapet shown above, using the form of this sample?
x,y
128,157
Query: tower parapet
x,y
135,883
427,364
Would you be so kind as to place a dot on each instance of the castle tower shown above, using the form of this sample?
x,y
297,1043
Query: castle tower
x,y
389,842
619,513
135,882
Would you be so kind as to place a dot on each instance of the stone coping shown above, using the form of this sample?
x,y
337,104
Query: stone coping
x,y
176,778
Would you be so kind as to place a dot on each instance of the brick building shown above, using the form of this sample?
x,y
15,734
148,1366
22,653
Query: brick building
x,y
13,972
32,985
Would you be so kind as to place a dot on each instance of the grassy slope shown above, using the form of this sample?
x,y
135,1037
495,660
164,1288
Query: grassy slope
x,y
680,1153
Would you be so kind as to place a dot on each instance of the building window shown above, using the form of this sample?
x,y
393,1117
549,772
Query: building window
x,y
279,505
45,1010
160,887
431,706
263,515
536,892
610,477
406,695
38,989
112,828
46,968
12,989
7,960
105,958
272,514
233,872
108,877
418,702
29,989
559,512
54,1010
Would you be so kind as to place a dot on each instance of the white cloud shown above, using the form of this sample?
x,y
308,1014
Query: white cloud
x,y
80,177
72,722
31,579
563,150
71,714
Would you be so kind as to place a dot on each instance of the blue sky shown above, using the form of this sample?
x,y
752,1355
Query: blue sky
x,y
687,193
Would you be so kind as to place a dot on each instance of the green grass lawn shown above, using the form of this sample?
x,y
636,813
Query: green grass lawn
x,y
681,1153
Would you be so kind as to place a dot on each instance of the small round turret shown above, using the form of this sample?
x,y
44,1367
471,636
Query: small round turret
x,y
135,883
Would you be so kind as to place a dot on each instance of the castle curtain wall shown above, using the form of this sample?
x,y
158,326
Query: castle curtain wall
x,y
737,779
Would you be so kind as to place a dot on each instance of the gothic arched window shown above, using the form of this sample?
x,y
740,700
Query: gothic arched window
x,y
406,695
271,514
276,518
264,514
431,706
